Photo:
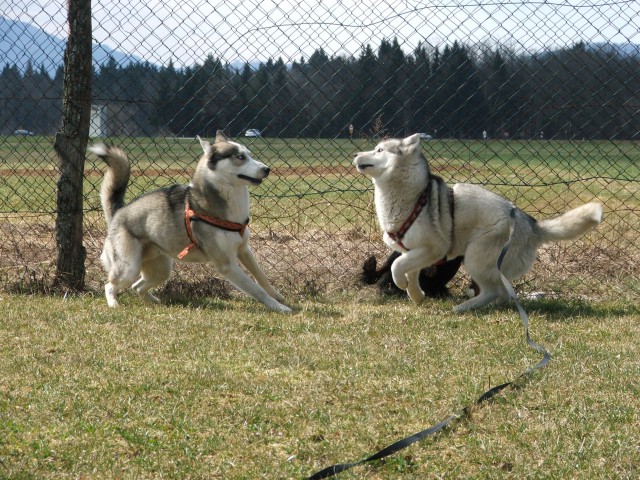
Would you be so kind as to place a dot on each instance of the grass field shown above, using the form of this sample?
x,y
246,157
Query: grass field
x,y
224,389
211,385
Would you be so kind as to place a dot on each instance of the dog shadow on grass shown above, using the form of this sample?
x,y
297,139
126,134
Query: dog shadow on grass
x,y
211,294
553,309
570,310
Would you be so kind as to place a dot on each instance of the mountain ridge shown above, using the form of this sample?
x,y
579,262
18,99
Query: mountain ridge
x,y
22,43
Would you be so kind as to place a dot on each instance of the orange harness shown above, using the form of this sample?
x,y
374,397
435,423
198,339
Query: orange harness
x,y
190,215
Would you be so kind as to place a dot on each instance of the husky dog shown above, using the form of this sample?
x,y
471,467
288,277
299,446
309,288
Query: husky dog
x,y
205,221
430,222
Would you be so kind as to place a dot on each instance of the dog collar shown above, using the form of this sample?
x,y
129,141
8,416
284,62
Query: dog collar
x,y
190,215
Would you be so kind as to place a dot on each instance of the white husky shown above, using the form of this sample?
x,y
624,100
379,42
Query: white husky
x,y
430,222
205,221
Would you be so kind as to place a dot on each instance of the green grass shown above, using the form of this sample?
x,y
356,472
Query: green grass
x,y
211,388
514,162
300,167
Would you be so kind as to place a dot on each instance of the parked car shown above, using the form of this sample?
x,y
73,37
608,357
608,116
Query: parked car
x,y
23,132
253,133
425,136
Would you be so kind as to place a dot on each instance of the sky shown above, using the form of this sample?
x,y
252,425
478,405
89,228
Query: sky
x,y
186,31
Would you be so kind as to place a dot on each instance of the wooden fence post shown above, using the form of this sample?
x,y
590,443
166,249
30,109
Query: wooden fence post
x,y
71,144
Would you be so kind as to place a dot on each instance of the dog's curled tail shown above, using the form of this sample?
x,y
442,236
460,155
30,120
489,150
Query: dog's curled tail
x,y
115,180
571,224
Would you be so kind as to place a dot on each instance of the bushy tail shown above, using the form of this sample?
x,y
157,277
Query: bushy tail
x,y
571,224
115,180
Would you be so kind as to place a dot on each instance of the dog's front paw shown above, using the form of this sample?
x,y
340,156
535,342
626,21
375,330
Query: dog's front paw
x,y
111,294
459,309
400,280
416,297
150,298
279,307
473,290
277,295
413,289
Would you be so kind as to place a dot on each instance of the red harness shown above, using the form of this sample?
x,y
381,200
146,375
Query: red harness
x,y
422,201
406,225
190,215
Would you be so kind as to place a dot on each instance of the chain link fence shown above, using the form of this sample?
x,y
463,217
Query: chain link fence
x,y
538,101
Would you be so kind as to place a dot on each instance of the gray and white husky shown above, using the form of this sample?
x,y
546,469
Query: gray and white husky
x,y
205,221
429,222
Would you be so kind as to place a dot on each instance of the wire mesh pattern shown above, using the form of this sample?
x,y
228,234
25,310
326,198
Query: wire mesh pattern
x,y
538,101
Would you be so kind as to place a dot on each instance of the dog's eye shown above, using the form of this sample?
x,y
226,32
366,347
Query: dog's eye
x,y
241,157
379,150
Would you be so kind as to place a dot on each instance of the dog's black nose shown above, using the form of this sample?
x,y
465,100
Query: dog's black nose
x,y
266,171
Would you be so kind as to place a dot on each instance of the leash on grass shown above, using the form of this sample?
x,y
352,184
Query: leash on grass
x,y
405,442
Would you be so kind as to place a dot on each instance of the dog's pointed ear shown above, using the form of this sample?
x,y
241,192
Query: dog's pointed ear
x,y
411,143
221,137
206,146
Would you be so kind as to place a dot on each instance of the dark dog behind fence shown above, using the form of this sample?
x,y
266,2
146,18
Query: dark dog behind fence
x,y
433,280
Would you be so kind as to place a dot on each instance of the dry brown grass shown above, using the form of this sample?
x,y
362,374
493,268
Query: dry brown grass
x,y
597,266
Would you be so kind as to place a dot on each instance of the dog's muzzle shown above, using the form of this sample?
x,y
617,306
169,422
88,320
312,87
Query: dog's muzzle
x,y
361,167
256,181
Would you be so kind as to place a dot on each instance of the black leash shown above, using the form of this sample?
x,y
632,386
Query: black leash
x,y
405,442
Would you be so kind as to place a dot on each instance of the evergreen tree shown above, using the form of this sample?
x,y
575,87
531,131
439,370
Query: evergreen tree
x,y
419,90
164,104
392,78
300,90
12,114
574,92
463,106
318,77
365,101
502,97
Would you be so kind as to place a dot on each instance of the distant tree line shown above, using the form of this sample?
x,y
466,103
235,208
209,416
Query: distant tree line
x,y
456,91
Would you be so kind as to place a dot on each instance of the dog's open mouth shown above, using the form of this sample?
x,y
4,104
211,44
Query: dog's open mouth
x,y
363,166
254,181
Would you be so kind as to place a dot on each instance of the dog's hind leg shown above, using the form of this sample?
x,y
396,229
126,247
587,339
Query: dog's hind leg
x,y
245,255
111,291
122,262
480,262
485,297
491,290
155,271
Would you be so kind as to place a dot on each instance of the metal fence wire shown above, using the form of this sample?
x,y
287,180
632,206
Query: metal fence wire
x,y
538,101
